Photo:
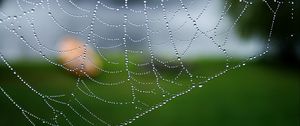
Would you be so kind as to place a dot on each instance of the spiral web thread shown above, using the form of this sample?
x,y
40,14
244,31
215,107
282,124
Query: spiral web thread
x,y
153,66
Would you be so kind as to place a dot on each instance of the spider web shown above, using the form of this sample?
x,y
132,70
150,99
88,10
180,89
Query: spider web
x,y
130,41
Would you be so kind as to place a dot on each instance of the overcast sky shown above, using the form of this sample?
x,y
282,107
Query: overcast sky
x,y
71,16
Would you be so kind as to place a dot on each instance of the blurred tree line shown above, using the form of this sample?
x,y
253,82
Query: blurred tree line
x,y
257,20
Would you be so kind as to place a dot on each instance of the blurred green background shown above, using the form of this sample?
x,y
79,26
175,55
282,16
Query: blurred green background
x,y
258,94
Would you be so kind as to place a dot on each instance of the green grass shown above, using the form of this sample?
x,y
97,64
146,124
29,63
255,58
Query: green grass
x,y
255,95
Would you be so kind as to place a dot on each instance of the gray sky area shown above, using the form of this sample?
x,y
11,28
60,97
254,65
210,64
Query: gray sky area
x,y
76,16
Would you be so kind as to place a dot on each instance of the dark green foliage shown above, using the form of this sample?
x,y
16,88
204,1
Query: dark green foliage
x,y
258,18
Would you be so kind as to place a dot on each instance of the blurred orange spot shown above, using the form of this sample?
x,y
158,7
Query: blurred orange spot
x,y
72,57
